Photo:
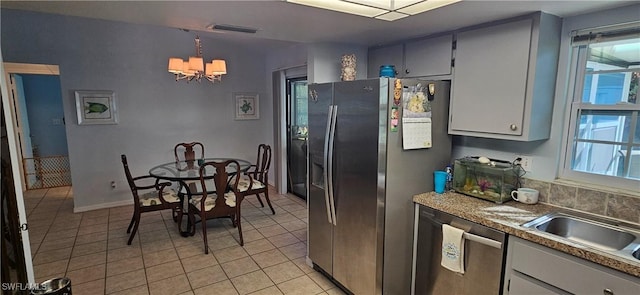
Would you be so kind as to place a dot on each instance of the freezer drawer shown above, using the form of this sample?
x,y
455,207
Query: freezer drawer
x,y
483,259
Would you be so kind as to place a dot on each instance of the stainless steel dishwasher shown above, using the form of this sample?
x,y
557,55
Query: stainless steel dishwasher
x,y
483,259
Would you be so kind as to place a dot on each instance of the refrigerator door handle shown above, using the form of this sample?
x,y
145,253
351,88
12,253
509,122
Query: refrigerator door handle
x,y
331,139
325,173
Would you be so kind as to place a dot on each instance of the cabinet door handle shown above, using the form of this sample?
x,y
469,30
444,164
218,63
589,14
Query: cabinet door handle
x,y
513,127
407,71
607,292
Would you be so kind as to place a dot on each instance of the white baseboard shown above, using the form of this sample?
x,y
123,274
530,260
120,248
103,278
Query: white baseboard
x,y
308,260
102,206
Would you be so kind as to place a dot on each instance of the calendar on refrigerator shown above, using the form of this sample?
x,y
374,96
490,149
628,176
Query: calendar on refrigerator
x,y
416,119
416,133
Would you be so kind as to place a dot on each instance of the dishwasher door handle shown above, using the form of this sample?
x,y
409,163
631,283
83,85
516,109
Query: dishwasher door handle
x,y
471,237
482,240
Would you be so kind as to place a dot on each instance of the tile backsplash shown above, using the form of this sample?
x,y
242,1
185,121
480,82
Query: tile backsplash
x,y
615,205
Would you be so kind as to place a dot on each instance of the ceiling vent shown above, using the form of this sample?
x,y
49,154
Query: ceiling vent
x,y
232,28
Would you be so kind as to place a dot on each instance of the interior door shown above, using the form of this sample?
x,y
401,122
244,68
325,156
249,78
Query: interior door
x,y
19,112
297,130
13,266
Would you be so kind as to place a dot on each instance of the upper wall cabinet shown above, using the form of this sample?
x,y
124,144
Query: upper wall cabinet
x,y
419,58
428,57
504,79
388,55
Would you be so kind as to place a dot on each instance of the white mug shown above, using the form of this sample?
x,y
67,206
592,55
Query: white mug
x,y
525,195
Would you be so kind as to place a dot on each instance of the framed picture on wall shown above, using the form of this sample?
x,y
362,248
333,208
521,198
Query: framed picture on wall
x,y
96,107
246,106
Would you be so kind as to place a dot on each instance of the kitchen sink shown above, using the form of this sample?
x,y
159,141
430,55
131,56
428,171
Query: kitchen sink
x,y
602,235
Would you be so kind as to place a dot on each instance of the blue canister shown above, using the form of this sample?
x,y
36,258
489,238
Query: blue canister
x,y
388,71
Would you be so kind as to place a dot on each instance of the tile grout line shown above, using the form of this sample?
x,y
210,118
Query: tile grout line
x,y
106,258
283,203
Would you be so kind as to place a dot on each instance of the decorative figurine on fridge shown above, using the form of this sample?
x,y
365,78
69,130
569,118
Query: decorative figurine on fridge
x,y
348,67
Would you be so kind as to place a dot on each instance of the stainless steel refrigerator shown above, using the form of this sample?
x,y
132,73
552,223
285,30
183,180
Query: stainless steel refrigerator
x,y
361,181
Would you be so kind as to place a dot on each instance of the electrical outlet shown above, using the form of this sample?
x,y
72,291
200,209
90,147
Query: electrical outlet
x,y
526,162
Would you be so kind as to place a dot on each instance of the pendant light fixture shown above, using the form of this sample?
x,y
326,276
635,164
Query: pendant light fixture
x,y
195,69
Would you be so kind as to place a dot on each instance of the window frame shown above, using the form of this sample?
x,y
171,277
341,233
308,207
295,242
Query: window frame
x,y
577,74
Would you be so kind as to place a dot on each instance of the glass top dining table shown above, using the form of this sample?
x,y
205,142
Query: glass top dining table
x,y
190,170
186,172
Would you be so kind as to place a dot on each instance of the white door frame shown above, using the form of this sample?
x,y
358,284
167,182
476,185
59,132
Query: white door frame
x,y
11,114
280,132
280,126
14,108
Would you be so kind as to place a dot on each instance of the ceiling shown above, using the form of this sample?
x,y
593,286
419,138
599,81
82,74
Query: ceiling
x,y
280,23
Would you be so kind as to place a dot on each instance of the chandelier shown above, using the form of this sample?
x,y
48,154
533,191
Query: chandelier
x,y
195,68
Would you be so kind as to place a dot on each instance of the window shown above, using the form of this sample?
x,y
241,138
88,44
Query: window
x,y
603,141
298,106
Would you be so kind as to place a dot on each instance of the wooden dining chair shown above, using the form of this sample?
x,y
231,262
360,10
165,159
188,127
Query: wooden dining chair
x,y
187,151
220,202
157,196
255,180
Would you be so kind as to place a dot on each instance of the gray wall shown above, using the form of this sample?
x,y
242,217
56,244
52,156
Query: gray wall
x,y
546,154
325,61
155,111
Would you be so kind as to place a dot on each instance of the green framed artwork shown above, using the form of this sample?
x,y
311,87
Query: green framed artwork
x,y
96,107
246,106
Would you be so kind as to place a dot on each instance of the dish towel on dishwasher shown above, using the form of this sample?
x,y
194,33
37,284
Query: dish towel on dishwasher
x,y
452,248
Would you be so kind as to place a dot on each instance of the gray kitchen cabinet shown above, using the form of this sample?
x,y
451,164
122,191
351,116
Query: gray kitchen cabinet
x,y
417,58
504,79
388,55
522,285
428,57
535,269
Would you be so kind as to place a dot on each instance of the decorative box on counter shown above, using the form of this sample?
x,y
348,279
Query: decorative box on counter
x,y
485,178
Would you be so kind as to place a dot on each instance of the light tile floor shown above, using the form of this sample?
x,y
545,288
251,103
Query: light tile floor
x,y
90,248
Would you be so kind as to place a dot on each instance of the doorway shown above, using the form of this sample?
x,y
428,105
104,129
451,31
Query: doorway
x,y
14,119
45,155
297,127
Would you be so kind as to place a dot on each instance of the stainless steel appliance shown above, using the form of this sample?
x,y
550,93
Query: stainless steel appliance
x,y
483,258
361,182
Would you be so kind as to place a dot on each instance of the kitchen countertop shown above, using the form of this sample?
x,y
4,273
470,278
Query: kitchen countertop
x,y
508,217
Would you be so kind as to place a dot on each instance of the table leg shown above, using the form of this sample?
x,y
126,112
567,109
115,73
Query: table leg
x,y
190,230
